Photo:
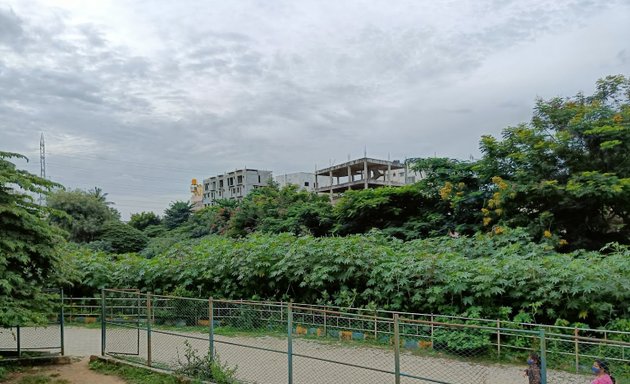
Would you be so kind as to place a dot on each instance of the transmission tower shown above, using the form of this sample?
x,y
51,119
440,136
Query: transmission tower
x,y
42,164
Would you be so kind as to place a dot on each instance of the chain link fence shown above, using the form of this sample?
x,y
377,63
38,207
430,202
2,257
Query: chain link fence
x,y
23,340
276,342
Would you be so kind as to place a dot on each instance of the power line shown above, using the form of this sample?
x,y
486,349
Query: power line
x,y
136,164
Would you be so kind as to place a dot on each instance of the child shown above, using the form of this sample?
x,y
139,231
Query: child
x,y
602,370
533,372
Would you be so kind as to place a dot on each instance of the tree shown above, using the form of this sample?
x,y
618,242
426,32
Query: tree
x,y
566,175
123,238
274,210
144,219
28,258
99,195
80,213
177,214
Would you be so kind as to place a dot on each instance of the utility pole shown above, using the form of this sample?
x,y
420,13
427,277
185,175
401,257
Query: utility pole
x,y
42,164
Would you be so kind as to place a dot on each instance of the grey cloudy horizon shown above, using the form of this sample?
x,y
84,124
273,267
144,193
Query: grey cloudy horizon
x,y
139,97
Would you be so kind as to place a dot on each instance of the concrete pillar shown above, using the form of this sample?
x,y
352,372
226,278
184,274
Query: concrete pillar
x,y
331,184
366,174
349,177
389,173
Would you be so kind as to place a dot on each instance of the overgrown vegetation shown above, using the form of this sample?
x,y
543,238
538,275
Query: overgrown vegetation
x,y
502,276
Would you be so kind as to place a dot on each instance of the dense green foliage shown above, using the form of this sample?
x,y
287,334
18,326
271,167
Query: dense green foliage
x,y
143,220
81,213
123,238
28,258
568,171
274,210
501,275
177,214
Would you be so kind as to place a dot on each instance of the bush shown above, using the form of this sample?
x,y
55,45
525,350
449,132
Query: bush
x,y
463,343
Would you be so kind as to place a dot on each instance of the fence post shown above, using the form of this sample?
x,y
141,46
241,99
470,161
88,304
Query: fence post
x,y
290,342
375,327
211,320
396,349
61,324
499,339
103,325
149,317
543,357
19,342
325,325
577,351
431,331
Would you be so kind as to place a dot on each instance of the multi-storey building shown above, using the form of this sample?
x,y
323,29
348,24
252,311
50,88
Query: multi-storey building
x,y
303,180
234,185
364,173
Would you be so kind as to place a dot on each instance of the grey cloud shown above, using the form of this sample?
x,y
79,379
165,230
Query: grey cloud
x,y
268,92
11,31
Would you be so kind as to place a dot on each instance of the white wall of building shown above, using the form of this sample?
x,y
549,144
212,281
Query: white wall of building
x,y
303,180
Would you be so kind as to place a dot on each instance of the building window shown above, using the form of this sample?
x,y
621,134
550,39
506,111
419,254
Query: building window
x,y
239,180
306,183
220,183
258,178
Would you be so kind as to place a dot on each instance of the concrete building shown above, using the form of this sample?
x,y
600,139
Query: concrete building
x,y
363,173
234,185
303,180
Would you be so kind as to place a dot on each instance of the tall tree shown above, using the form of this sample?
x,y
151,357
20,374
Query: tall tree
x,y
177,214
567,173
28,258
80,213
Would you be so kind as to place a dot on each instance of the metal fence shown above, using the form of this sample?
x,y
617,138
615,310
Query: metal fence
x,y
276,342
23,340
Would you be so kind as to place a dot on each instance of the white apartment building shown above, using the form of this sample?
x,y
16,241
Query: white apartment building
x,y
234,185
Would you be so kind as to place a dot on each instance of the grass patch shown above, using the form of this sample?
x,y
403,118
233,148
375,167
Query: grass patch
x,y
42,379
133,375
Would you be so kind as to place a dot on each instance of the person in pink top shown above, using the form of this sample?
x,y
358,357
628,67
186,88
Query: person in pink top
x,y
602,370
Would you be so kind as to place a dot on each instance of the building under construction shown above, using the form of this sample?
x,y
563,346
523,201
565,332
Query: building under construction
x,y
361,173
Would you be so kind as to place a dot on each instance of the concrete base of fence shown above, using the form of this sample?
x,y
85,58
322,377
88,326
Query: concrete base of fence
x,y
113,361
35,360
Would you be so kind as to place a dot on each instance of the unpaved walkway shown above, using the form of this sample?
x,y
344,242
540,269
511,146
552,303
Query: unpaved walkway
x,y
78,372
270,366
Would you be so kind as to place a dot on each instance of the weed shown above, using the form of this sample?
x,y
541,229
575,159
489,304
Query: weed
x,y
205,368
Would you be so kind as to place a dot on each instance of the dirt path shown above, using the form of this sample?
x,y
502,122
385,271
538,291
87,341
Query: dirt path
x,y
78,372
309,362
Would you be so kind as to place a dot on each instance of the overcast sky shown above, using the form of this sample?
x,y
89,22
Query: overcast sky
x,y
138,97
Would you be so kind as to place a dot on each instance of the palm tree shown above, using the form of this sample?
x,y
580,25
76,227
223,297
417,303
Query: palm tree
x,y
100,195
